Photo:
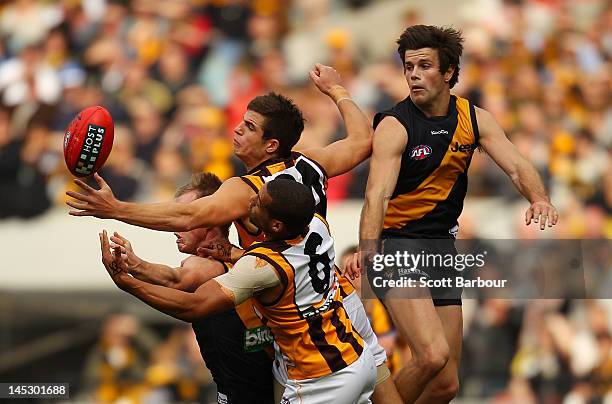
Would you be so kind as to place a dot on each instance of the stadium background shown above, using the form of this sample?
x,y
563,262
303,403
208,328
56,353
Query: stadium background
x,y
177,75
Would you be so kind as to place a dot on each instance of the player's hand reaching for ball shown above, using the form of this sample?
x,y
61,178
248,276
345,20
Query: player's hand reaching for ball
x,y
128,256
112,260
93,202
327,80
542,212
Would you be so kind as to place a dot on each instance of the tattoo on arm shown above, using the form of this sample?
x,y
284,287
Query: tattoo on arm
x,y
223,250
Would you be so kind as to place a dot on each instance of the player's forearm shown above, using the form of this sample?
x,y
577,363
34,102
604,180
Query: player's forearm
x,y
178,304
371,221
528,182
358,129
165,216
157,274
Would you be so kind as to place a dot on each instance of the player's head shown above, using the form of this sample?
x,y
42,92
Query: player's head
x,y
271,126
431,60
200,185
282,209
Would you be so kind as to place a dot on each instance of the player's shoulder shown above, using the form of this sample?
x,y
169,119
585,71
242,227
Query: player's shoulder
x,y
238,185
196,262
486,121
390,122
390,135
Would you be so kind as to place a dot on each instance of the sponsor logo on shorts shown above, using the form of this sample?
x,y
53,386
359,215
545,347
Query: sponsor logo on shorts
x,y
420,152
256,339
90,151
285,400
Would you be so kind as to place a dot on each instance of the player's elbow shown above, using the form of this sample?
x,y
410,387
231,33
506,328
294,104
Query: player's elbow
x,y
374,196
363,147
193,217
193,310
514,173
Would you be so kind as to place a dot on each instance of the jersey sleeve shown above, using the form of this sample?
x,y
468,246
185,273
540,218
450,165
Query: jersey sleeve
x,y
247,278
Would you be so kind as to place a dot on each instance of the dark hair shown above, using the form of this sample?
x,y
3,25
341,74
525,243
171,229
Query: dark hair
x,y
292,203
204,184
447,41
283,120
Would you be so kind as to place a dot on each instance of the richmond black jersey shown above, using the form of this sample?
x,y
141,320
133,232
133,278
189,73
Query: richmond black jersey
x,y
432,180
236,348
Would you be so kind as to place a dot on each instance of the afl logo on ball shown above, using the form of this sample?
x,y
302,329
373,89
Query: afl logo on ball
x,y
420,152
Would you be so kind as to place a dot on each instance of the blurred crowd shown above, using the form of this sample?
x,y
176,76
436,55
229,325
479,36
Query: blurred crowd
x,y
177,75
131,363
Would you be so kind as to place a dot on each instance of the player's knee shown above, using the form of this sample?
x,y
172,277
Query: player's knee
x,y
433,357
443,391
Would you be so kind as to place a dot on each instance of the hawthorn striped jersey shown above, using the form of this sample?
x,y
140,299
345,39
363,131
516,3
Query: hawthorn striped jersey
x,y
305,171
308,320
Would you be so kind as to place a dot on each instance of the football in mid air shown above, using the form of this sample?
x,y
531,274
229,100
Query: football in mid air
x,y
88,141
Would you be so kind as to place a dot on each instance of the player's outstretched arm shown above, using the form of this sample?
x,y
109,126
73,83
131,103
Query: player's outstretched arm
x,y
228,203
210,298
522,173
389,143
192,273
345,154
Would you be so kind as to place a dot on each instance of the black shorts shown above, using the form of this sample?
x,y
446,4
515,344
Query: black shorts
x,y
416,264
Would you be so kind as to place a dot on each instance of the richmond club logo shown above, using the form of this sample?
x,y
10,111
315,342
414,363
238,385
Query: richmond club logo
x,y
420,152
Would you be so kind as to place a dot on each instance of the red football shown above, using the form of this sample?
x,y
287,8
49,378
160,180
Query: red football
x,y
88,141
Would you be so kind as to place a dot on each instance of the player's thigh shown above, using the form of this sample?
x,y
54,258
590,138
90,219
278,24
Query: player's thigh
x,y
417,322
353,384
357,314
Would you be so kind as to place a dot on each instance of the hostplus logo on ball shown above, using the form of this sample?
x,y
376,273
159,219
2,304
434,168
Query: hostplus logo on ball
x,y
91,149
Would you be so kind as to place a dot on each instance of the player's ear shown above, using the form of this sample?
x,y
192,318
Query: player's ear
x,y
449,74
272,146
276,226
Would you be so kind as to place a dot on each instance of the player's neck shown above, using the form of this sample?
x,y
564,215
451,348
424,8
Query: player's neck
x,y
251,164
437,107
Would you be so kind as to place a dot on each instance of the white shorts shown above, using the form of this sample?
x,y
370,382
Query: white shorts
x,y
357,314
352,385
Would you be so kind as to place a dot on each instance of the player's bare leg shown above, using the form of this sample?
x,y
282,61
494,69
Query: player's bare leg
x,y
386,393
419,325
445,385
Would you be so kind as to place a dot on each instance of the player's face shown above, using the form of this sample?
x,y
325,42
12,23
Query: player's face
x,y
422,70
188,242
248,137
258,215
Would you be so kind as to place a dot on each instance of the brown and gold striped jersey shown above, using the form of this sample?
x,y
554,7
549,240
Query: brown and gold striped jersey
x,y
308,320
305,171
